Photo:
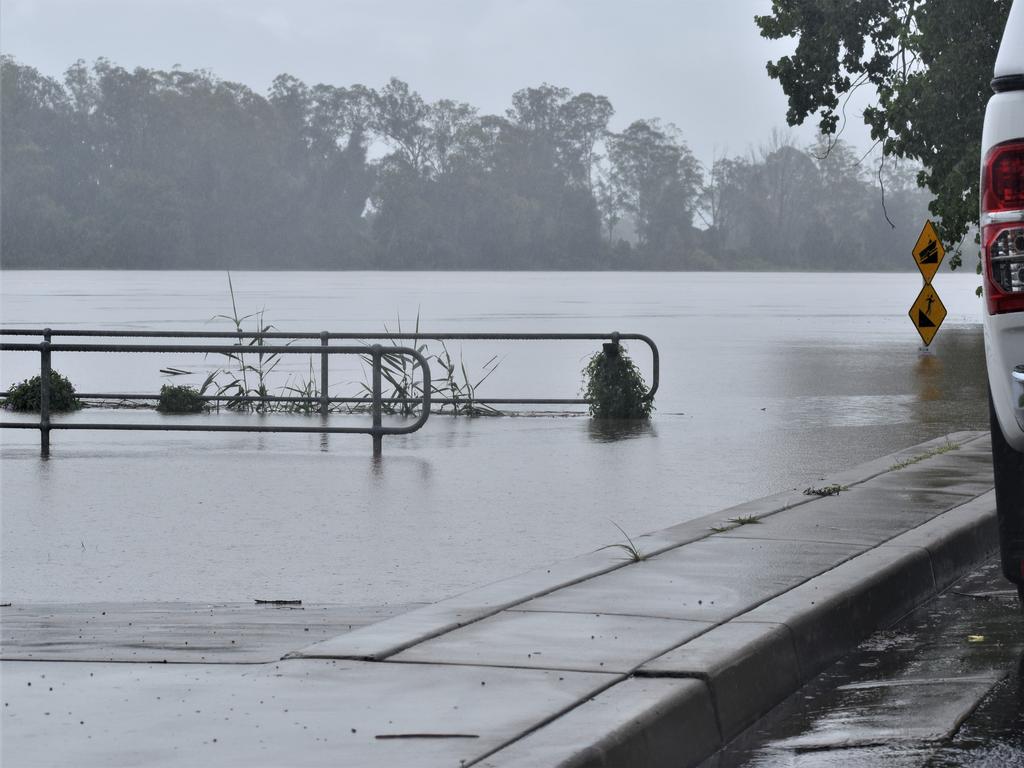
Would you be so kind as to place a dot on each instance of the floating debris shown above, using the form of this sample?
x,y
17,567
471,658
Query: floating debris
x,y
825,490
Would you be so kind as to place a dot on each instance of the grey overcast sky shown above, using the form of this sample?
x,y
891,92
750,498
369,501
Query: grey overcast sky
x,y
697,63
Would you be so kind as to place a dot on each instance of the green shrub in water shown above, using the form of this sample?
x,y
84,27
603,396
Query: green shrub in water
x,y
613,385
25,396
180,399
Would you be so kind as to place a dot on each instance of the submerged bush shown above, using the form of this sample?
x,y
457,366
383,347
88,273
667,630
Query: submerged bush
x,y
180,399
25,396
613,385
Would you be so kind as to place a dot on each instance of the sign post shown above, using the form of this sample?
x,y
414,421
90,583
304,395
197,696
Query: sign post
x,y
927,312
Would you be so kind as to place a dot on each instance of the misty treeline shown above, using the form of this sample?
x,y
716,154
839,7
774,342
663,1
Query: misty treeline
x,y
155,169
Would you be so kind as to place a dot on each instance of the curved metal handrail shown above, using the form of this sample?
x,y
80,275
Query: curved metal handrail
x,y
377,430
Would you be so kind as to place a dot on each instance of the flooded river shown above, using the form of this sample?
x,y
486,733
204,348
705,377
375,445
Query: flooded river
x,y
768,381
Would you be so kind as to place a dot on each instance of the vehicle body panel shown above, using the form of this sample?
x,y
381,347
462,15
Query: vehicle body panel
x,y
1004,333
1010,60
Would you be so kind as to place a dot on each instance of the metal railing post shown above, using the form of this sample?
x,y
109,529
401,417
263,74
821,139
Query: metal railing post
x,y
376,406
44,395
324,404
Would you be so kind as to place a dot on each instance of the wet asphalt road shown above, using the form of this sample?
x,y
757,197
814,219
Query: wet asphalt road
x,y
943,688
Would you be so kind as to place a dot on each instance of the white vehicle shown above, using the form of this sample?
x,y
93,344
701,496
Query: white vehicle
x,y
1002,238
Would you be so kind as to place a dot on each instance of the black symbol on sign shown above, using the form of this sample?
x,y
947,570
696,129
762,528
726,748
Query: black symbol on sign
x,y
930,253
923,321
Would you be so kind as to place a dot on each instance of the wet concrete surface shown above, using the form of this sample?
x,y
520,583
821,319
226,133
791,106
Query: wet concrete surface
x,y
710,580
174,632
943,688
483,678
307,713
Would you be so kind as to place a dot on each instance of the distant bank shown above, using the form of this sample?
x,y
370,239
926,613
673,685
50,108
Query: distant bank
x,y
151,169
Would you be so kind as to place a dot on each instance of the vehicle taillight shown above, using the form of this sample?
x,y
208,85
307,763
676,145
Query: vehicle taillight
x,y
1002,217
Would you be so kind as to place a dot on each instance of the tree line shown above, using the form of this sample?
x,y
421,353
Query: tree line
x,y
154,169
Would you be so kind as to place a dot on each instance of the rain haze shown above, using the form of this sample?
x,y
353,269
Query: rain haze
x,y
478,382
699,64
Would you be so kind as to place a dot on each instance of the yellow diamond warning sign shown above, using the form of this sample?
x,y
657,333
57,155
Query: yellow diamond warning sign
x,y
927,313
928,253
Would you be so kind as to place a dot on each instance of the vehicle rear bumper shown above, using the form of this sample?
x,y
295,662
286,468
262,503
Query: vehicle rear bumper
x,y
1004,353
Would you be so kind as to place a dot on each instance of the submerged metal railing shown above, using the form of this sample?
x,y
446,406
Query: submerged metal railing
x,y
377,351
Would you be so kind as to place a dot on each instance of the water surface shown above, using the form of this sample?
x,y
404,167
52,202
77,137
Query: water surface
x,y
769,381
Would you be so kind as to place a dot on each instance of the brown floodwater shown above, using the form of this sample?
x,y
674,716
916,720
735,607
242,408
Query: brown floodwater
x,y
768,382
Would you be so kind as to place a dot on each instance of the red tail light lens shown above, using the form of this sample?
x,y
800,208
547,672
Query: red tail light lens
x,y
1002,215
1004,178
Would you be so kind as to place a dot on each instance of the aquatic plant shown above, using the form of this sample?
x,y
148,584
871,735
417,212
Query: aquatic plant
x,y
614,386
450,380
462,392
307,388
399,372
176,398
241,370
26,395
248,372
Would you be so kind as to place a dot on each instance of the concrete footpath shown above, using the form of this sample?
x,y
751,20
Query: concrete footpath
x,y
595,661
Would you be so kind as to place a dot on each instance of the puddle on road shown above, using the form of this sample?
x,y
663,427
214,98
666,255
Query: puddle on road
x,y
901,698
993,737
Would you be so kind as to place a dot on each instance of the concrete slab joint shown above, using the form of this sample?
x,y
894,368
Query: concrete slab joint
x,y
748,667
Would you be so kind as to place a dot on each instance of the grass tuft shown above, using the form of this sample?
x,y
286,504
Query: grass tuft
x,y
937,451
735,522
632,552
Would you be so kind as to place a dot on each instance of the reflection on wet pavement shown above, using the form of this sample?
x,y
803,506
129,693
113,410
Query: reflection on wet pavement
x,y
993,736
902,698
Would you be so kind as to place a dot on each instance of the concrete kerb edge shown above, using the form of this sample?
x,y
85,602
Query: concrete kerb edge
x,y
653,722
882,597
872,604
841,608
351,645
748,667
956,539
